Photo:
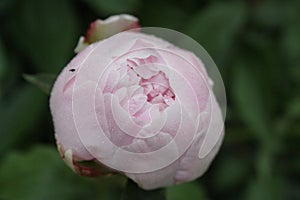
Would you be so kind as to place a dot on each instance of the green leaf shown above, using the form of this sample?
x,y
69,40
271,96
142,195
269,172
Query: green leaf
x,y
173,19
43,81
249,99
290,47
46,31
3,65
232,172
5,5
3,62
293,108
271,13
20,114
261,190
38,174
216,26
113,6
134,192
41,174
191,191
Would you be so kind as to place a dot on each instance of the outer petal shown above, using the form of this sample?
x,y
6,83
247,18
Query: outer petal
x,y
192,164
101,29
61,108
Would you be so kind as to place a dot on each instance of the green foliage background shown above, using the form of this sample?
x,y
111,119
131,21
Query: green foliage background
x,y
255,44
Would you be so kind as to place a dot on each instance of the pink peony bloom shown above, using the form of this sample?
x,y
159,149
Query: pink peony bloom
x,y
136,104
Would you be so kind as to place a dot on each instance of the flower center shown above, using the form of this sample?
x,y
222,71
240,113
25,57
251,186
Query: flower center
x,y
158,91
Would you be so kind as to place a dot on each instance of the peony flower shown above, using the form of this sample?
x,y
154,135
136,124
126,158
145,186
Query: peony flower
x,y
136,104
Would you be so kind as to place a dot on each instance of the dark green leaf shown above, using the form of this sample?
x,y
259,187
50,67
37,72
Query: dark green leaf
x,y
175,18
3,62
134,192
41,174
113,6
290,47
3,66
293,109
249,99
191,191
19,115
215,27
43,81
270,13
261,190
5,4
231,172
46,31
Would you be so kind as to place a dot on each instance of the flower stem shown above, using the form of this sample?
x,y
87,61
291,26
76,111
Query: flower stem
x,y
133,192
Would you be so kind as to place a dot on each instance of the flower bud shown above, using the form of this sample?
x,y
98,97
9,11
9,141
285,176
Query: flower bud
x,y
138,105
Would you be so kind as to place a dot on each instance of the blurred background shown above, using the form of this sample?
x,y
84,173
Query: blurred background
x,y
255,44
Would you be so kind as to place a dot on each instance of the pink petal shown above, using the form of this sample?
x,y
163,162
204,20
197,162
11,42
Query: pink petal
x,y
101,29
